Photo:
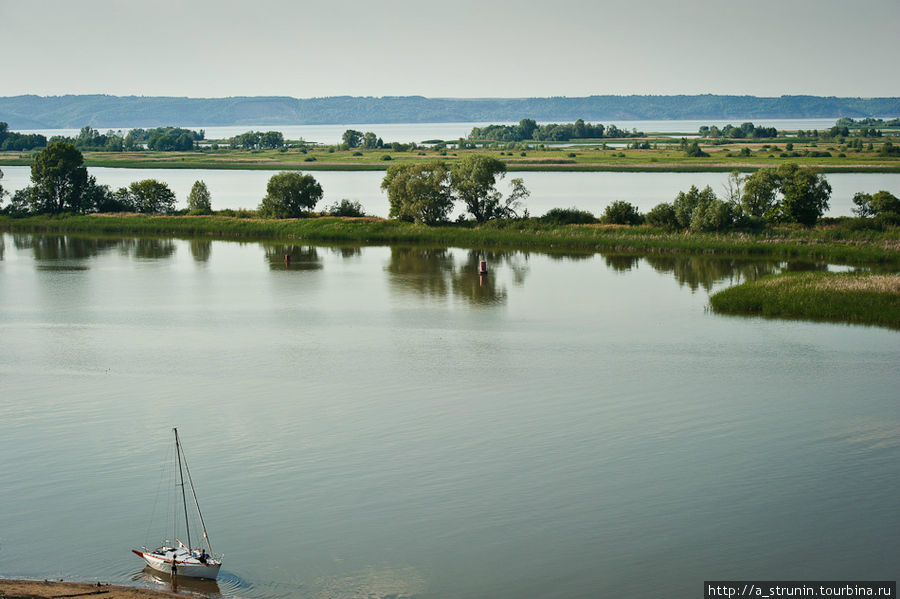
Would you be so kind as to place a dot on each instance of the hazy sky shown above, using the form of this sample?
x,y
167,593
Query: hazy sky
x,y
457,48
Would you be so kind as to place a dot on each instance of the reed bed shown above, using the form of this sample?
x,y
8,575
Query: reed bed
x,y
860,298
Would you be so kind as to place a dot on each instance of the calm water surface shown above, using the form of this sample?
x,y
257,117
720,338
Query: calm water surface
x,y
587,191
377,422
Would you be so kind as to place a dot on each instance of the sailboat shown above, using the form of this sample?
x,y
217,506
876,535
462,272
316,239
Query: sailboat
x,y
177,558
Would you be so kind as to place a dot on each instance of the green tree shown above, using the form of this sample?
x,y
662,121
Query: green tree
x,y
59,179
806,194
289,194
685,204
271,140
693,150
419,192
663,215
527,128
760,196
199,199
712,214
621,212
3,192
884,202
473,180
150,196
352,138
370,141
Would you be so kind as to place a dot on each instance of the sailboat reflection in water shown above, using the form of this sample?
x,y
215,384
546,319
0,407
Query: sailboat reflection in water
x,y
177,558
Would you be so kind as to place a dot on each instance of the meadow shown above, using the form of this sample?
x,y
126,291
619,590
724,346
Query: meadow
x,y
663,155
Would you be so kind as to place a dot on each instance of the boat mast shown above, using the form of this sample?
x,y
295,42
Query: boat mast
x,y
197,503
183,498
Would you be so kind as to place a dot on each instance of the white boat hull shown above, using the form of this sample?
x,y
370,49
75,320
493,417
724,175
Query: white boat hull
x,y
180,563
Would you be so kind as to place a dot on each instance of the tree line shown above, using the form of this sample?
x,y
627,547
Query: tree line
x,y
529,130
744,131
427,192
60,183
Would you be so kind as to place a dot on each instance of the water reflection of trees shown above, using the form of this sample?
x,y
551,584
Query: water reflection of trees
x,y
347,251
62,247
201,249
705,271
438,272
147,249
67,248
621,262
301,257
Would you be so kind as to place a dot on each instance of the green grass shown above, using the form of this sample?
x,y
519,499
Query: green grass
x,y
666,158
859,298
829,243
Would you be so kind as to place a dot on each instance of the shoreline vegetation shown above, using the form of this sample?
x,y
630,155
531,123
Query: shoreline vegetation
x,y
828,241
854,298
864,146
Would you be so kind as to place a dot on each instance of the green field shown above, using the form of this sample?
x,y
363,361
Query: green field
x,y
665,156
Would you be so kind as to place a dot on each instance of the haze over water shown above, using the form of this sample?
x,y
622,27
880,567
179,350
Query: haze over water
x,y
376,421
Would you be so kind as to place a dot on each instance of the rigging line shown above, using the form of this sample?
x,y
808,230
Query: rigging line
x,y
163,469
187,525
197,503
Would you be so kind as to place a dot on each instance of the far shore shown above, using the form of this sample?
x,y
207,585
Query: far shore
x,y
47,589
575,159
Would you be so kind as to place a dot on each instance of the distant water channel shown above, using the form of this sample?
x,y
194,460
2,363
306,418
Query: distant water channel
x,y
380,422
587,191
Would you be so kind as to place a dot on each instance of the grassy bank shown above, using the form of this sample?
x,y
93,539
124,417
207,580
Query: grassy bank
x,y
841,297
833,244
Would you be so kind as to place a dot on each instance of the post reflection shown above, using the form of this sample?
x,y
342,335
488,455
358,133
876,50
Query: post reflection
x,y
438,272
292,257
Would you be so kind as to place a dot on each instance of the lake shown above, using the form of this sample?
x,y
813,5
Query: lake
x,y
379,422
584,190
419,132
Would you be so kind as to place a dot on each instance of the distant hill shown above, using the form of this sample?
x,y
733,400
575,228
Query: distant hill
x,y
50,112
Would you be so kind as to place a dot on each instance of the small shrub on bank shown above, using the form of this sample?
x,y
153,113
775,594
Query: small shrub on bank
x,y
346,208
568,216
622,213
663,216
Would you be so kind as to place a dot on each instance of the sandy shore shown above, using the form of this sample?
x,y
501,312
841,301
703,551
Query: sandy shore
x,y
12,589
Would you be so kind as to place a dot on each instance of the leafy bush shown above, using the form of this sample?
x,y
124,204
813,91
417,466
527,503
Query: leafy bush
x,y
346,208
663,215
712,215
568,216
693,151
622,213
